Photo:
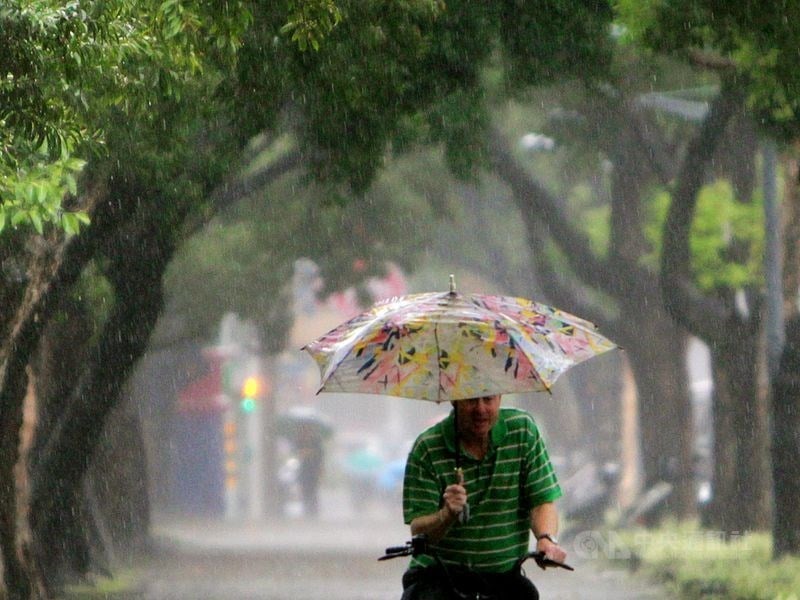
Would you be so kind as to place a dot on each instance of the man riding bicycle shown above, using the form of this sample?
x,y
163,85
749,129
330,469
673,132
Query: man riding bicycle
x,y
476,484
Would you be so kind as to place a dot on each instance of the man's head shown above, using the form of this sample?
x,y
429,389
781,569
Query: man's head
x,y
477,416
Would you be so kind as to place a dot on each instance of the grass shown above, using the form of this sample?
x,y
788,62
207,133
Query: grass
x,y
696,563
124,584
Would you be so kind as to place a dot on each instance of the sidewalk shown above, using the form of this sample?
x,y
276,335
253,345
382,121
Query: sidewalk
x,y
347,536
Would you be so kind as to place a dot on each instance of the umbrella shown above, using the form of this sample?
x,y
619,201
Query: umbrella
x,y
302,420
445,346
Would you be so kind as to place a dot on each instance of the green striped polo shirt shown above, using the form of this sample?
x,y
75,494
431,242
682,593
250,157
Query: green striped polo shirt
x,y
513,477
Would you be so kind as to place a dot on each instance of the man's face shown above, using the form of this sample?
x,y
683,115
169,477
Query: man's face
x,y
477,416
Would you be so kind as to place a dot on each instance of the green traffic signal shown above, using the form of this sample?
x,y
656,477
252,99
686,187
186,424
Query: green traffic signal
x,y
248,405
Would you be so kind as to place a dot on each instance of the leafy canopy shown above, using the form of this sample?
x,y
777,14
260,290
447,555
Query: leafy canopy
x,y
390,74
757,40
64,66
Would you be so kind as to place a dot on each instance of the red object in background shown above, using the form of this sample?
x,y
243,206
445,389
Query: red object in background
x,y
204,394
394,284
359,265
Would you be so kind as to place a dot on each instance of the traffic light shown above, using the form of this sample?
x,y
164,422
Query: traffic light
x,y
251,389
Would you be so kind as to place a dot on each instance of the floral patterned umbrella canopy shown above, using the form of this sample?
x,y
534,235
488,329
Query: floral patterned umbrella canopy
x,y
449,346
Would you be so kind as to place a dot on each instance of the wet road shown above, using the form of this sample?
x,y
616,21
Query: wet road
x,y
304,560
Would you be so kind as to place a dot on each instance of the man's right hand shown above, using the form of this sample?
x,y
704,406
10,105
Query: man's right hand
x,y
455,496
435,525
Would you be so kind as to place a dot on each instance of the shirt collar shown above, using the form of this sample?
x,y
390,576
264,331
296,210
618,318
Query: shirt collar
x,y
496,435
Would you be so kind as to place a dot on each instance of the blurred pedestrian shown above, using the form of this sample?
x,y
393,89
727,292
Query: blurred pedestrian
x,y
307,433
310,451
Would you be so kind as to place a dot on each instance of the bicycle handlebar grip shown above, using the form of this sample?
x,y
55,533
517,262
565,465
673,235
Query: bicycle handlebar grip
x,y
396,549
543,561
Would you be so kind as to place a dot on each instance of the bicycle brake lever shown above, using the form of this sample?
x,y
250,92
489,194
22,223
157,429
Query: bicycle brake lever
x,y
388,555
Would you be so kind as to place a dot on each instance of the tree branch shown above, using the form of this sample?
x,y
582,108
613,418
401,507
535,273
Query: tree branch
x,y
536,203
568,297
240,186
711,60
652,147
699,314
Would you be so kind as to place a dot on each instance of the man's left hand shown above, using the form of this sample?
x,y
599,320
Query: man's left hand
x,y
551,550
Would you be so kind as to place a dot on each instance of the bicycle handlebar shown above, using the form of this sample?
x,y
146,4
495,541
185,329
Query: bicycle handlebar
x,y
419,545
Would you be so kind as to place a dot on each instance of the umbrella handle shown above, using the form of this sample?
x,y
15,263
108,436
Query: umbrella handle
x,y
457,439
463,516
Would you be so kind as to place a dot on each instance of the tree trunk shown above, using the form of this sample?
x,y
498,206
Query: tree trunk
x,y
741,475
135,270
785,416
657,354
786,445
45,291
58,363
597,390
791,237
121,464
652,340
39,301
17,579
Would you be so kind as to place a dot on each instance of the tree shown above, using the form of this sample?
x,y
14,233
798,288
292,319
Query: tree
x,y
747,44
59,262
636,320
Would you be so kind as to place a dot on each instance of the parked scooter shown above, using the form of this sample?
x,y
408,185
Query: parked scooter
x,y
587,495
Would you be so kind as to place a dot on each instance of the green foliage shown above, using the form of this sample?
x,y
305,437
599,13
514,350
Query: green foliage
x,y
721,223
594,217
222,270
94,292
67,66
34,195
310,21
124,583
759,39
390,74
556,38
697,563
462,138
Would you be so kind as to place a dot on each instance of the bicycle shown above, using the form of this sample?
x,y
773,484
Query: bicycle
x,y
419,545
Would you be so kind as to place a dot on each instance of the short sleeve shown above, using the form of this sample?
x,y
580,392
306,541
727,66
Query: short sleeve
x,y
421,494
539,482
